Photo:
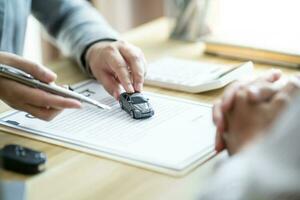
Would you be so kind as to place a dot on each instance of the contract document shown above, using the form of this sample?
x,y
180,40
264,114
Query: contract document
x,y
179,137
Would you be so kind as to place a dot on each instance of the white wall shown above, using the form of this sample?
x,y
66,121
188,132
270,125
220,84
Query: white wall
x,y
32,48
261,23
126,14
122,14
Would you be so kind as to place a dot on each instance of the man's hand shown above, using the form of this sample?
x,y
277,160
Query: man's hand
x,y
226,103
38,103
117,64
248,120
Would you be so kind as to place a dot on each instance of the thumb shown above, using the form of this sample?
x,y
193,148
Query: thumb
x,y
258,94
38,71
271,76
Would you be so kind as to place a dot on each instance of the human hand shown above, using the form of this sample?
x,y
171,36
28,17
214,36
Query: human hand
x,y
226,103
117,64
36,102
248,120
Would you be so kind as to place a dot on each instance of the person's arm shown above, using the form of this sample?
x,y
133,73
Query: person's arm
x,y
268,169
82,33
74,24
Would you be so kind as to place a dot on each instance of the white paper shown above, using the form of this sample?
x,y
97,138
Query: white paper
x,y
180,133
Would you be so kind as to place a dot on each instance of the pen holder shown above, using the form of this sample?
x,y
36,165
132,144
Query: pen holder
x,y
191,18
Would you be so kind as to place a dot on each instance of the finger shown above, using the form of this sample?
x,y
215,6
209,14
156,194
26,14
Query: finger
x,y
120,68
145,65
220,144
41,113
221,128
218,119
228,97
137,65
261,89
284,96
217,112
241,100
111,85
296,81
41,98
44,99
36,70
262,93
20,93
291,87
271,76
280,100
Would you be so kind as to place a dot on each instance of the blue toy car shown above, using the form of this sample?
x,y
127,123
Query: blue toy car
x,y
136,105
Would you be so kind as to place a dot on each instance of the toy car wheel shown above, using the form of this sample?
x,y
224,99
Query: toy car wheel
x,y
121,105
152,113
132,114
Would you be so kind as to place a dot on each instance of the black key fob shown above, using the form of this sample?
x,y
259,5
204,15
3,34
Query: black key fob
x,y
22,160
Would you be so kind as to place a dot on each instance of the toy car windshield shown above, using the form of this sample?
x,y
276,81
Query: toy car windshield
x,y
138,99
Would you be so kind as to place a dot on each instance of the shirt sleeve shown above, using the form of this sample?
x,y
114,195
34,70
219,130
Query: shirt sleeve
x,y
74,25
269,169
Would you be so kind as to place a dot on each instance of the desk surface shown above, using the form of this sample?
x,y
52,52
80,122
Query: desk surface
x,y
74,175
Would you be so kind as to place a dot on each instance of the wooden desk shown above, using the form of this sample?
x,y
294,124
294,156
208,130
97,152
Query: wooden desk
x,y
75,175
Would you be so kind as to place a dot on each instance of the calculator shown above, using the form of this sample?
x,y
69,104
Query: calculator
x,y
194,76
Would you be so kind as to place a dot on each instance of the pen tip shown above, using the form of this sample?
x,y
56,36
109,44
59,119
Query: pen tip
x,y
105,107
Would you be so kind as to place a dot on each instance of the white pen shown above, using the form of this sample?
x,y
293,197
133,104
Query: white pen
x,y
26,79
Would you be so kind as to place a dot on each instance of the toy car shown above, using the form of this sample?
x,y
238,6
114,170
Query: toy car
x,y
136,105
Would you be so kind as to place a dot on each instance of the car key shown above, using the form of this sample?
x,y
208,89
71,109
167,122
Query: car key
x,y
22,160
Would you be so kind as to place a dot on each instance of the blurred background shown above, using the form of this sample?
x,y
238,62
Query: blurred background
x,y
121,14
259,22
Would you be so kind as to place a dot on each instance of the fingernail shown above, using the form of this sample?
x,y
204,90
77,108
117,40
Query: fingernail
x,y
77,104
72,103
274,70
130,88
50,74
138,87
